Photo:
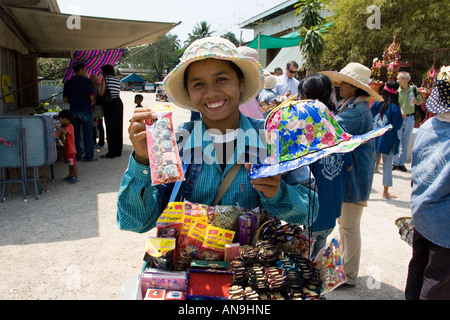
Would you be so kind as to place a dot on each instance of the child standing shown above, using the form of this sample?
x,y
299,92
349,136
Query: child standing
x,y
138,100
70,152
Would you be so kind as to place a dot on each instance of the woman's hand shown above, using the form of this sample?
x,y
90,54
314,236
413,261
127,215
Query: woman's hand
x,y
267,186
138,135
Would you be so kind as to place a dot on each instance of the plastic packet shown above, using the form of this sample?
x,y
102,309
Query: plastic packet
x,y
248,225
160,253
216,239
170,222
226,217
164,158
329,263
190,248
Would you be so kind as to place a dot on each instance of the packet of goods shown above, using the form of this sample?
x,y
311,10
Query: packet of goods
x,y
216,239
192,212
160,253
170,222
189,249
164,159
329,263
226,217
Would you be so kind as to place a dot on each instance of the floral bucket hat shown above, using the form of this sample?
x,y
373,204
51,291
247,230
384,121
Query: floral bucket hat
x,y
299,133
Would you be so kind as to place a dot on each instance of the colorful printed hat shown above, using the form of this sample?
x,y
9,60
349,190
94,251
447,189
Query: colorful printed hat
x,y
299,133
216,48
355,74
439,99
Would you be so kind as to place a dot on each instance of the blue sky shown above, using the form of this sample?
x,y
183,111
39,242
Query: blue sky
x,y
222,16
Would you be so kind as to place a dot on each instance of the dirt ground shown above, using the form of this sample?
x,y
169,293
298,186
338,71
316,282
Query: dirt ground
x,y
66,245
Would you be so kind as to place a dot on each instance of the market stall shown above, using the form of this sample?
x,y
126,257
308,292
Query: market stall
x,y
226,253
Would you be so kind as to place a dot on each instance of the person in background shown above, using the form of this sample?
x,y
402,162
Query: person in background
x,y
384,113
277,71
354,115
113,113
79,92
138,100
66,128
330,172
428,271
267,98
407,100
99,131
287,84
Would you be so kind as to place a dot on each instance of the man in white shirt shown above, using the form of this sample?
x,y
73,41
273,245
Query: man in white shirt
x,y
287,84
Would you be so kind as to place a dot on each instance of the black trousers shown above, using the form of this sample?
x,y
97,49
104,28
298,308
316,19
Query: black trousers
x,y
429,271
113,115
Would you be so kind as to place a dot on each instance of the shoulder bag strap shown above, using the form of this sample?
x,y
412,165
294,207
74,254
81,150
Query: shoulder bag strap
x,y
231,174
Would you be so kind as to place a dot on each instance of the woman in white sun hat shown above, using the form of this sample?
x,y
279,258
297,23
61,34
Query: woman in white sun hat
x,y
354,115
214,79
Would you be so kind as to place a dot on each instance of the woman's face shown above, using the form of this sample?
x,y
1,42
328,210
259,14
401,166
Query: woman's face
x,y
215,89
347,90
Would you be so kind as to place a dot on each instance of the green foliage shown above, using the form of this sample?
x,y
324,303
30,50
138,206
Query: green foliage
x,y
52,68
420,26
309,14
158,57
44,107
201,30
232,37
312,26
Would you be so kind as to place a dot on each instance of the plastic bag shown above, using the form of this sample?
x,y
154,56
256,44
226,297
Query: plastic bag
x,y
213,247
330,265
190,248
170,222
160,253
164,158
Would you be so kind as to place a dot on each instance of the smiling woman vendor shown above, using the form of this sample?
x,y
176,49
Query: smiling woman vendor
x,y
214,79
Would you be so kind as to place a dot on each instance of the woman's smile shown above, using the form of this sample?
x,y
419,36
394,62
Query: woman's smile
x,y
216,104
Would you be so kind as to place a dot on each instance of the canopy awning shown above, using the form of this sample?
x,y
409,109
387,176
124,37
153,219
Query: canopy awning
x,y
94,60
133,78
50,32
285,55
270,42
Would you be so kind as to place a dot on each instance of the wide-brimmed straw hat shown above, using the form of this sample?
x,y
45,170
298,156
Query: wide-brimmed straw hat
x,y
299,133
216,48
355,74
439,99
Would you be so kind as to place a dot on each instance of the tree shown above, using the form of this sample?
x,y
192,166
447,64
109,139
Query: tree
x,y
312,26
201,30
159,57
420,27
52,68
232,37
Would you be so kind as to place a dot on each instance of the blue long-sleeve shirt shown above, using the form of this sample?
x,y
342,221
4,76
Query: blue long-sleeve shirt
x,y
356,119
389,141
430,196
140,204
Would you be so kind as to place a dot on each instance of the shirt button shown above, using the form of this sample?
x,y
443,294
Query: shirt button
x,y
145,171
